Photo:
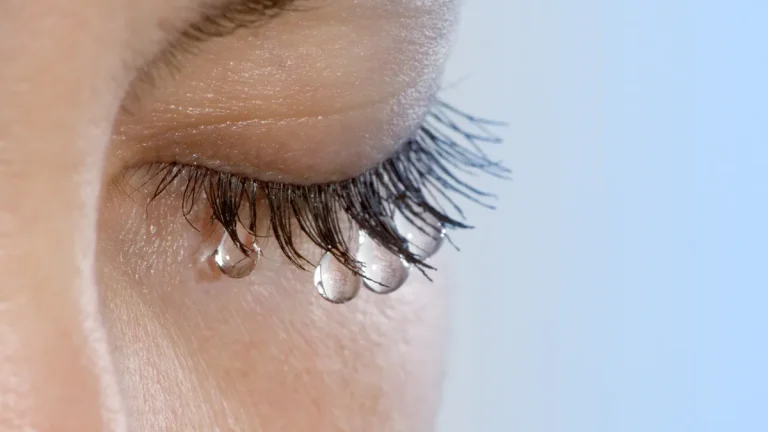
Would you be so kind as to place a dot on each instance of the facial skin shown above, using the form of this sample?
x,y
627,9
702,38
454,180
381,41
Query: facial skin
x,y
111,318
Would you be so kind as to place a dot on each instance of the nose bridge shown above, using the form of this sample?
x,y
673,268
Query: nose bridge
x,y
54,370
58,96
55,373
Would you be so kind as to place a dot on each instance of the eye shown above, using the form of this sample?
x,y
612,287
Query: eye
x,y
398,212
279,134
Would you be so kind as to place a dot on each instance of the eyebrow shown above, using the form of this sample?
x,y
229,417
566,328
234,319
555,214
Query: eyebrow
x,y
233,15
219,21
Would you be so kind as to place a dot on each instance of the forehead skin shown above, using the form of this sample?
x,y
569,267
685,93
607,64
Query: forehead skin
x,y
318,94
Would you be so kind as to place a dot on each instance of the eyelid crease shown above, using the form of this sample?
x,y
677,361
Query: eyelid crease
x,y
230,119
360,105
236,138
419,182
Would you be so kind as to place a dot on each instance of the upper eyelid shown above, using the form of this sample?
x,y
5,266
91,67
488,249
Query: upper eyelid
x,y
176,124
228,101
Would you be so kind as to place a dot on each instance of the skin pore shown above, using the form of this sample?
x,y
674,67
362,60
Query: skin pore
x,y
111,317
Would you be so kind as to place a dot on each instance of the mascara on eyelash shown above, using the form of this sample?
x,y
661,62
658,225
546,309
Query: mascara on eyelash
x,y
403,207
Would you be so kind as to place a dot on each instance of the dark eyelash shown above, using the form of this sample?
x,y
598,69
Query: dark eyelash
x,y
419,182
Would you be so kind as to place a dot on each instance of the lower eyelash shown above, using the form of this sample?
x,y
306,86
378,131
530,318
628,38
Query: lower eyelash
x,y
420,182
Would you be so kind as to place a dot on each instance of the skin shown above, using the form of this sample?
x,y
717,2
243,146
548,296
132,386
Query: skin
x,y
111,317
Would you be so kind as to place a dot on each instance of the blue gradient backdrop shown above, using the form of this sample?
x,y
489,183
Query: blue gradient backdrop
x,y
622,283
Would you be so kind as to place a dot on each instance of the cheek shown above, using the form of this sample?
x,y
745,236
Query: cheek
x,y
195,348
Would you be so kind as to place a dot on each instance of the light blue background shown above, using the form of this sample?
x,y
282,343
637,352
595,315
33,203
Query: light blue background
x,y
622,284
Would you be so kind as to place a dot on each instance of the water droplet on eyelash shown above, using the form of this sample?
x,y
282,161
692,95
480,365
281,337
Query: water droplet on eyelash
x,y
425,238
380,265
334,282
232,261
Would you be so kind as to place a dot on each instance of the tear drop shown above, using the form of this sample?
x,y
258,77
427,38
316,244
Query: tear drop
x,y
334,282
387,272
424,239
232,261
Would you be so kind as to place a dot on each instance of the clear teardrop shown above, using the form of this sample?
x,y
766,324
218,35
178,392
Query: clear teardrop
x,y
231,260
424,239
384,272
334,282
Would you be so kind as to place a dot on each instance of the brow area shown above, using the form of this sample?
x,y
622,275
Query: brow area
x,y
232,15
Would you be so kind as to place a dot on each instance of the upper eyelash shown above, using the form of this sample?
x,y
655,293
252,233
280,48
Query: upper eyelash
x,y
419,181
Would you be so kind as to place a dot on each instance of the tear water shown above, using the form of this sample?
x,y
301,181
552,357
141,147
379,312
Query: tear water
x,y
387,272
424,239
232,261
334,282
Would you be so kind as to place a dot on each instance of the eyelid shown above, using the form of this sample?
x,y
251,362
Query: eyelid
x,y
287,77
305,150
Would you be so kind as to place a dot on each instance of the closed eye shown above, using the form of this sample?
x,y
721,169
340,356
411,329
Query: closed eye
x,y
420,183
320,117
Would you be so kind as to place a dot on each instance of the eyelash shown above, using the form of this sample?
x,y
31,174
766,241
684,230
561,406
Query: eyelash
x,y
419,182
